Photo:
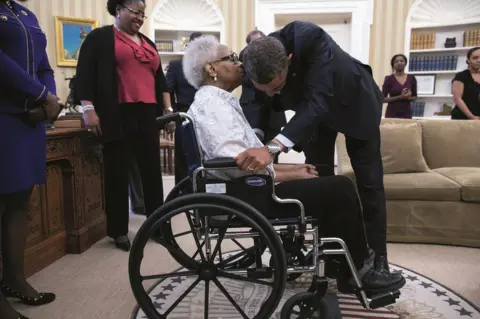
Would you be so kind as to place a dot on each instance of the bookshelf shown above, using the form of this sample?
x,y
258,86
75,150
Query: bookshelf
x,y
429,24
175,20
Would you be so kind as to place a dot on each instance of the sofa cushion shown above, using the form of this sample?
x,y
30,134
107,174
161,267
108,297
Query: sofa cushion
x,y
451,143
421,186
402,148
467,177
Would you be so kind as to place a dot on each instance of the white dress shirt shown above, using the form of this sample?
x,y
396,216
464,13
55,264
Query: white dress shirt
x,y
221,127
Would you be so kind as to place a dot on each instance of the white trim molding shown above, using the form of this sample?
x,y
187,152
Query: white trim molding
x,y
187,15
361,12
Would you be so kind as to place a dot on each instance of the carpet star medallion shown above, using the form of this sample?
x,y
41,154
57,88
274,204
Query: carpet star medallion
x,y
421,298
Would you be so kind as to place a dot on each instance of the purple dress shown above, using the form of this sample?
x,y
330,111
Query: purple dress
x,y
25,80
391,88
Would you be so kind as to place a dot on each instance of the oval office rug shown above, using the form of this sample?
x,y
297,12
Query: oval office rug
x,y
421,298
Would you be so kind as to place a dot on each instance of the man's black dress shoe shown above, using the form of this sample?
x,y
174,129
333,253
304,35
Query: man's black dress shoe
x,y
381,263
42,298
123,243
373,282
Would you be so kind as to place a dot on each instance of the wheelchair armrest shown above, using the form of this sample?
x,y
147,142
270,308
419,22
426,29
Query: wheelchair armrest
x,y
172,117
226,162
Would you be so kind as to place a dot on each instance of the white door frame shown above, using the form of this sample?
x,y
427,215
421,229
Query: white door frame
x,y
360,10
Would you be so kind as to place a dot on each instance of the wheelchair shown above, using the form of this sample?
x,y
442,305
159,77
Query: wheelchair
x,y
216,210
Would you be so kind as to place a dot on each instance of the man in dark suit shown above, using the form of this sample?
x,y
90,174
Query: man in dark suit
x,y
302,69
182,93
252,103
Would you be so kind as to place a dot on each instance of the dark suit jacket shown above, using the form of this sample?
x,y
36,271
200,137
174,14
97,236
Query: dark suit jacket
x,y
253,106
324,85
96,80
178,85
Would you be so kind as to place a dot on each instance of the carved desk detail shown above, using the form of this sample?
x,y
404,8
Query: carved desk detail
x,y
67,214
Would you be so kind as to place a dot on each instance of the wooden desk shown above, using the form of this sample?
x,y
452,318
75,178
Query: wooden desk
x,y
67,214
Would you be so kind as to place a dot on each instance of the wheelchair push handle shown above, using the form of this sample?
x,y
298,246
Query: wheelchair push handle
x,y
223,162
172,117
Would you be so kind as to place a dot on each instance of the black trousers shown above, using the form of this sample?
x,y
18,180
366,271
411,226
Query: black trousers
x,y
140,142
332,200
367,164
181,167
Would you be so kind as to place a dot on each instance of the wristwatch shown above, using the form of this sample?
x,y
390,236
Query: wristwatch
x,y
273,148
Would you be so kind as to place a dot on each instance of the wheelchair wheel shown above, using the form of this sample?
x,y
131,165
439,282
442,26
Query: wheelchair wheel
x,y
305,306
205,266
244,259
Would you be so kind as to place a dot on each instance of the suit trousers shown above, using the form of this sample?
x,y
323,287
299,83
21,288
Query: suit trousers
x,y
141,142
334,202
367,164
181,166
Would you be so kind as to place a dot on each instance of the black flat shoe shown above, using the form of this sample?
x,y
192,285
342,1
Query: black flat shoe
x,y
122,243
381,263
42,298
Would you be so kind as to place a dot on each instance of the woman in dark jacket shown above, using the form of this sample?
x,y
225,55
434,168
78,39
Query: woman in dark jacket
x,y
27,97
121,86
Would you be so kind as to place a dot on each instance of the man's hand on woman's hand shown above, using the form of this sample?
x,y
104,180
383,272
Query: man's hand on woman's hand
x,y
254,159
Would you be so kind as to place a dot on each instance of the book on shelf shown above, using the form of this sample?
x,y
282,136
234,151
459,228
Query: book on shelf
x,y
164,45
433,63
471,38
418,109
422,41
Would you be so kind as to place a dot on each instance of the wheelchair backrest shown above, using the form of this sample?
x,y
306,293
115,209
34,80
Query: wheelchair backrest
x,y
191,148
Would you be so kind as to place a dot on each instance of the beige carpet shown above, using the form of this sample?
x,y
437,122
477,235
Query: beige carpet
x,y
95,285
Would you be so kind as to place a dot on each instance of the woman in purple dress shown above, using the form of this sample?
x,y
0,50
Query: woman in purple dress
x,y
399,89
27,89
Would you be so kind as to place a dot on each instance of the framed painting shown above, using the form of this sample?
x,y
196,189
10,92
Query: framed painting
x,y
70,34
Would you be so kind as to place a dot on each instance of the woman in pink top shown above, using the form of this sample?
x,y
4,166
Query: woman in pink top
x,y
122,88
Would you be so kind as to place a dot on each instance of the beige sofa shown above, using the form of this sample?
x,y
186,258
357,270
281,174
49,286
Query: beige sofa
x,y
432,180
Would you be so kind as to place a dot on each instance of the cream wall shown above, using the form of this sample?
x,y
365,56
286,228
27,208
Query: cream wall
x,y
387,36
239,16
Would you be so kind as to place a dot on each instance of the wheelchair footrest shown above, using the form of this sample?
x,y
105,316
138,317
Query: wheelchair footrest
x,y
260,273
384,299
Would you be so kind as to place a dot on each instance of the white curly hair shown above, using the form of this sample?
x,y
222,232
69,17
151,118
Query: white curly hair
x,y
198,52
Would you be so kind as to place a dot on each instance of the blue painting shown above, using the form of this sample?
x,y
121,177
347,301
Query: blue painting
x,y
71,33
73,37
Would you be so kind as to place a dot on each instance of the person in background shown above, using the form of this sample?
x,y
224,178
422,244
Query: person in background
x,y
27,90
135,189
122,89
183,94
399,89
466,89
251,102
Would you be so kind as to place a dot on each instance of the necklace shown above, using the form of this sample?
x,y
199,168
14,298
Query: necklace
x,y
9,4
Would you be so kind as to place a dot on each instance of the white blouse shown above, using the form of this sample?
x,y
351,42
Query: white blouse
x,y
221,127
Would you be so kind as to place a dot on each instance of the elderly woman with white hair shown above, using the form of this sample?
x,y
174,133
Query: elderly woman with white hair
x,y
223,131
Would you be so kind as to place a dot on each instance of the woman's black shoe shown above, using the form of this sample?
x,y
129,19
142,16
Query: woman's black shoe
x,y
42,298
123,243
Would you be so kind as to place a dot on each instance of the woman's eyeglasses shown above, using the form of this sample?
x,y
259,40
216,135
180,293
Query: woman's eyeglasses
x,y
138,13
231,57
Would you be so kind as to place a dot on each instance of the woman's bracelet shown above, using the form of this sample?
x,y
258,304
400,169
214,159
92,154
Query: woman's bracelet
x,y
87,108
